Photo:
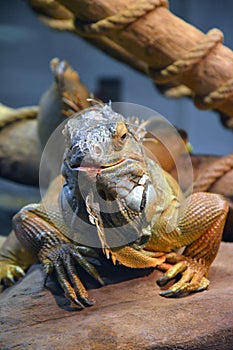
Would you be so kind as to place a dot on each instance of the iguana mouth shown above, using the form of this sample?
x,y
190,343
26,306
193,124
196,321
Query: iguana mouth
x,y
98,169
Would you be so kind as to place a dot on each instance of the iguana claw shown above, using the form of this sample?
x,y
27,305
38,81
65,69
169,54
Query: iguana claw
x,y
192,278
61,259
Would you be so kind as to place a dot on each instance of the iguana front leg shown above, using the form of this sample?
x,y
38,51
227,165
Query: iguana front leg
x,y
39,234
199,229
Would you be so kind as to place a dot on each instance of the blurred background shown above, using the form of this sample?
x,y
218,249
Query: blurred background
x,y
27,46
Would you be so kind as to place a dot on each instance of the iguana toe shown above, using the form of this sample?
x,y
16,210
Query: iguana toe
x,y
10,273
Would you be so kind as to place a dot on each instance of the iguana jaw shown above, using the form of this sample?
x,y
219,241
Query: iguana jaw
x,y
99,169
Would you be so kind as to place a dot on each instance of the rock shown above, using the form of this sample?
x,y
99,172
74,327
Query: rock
x,y
128,314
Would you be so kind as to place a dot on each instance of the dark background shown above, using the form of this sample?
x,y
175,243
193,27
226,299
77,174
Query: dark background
x,y
27,46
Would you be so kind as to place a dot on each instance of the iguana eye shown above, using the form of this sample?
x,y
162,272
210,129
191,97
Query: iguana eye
x,y
120,135
123,137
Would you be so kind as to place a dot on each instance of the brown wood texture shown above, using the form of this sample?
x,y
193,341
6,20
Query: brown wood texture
x,y
128,314
159,38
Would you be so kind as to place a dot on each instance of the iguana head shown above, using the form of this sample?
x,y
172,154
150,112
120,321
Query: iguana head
x,y
105,171
99,139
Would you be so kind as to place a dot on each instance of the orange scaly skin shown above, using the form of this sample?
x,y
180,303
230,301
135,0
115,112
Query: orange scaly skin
x,y
162,220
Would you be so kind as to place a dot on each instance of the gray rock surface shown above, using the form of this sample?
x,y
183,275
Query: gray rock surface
x,y
128,314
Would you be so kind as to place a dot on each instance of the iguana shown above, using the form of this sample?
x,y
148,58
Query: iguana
x,y
112,195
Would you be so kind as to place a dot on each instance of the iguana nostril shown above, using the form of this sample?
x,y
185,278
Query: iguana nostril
x,y
98,151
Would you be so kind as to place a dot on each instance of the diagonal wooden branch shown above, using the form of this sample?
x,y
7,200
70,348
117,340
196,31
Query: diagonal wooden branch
x,y
146,32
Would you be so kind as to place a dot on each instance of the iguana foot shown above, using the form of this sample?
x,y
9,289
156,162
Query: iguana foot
x,y
192,279
9,274
61,259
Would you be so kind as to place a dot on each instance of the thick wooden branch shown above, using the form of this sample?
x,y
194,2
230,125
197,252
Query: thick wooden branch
x,y
129,313
154,37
